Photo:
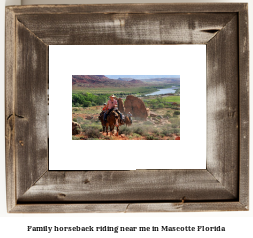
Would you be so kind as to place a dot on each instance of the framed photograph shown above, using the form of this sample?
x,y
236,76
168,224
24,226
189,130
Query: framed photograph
x,y
64,62
154,109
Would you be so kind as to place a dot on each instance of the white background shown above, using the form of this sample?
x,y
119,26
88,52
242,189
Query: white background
x,y
239,224
188,61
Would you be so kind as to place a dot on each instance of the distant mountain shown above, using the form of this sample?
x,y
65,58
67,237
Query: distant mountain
x,y
142,76
125,79
102,81
135,81
86,79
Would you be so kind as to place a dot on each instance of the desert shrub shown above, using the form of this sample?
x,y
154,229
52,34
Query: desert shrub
x,y
160,105
84,127
74,119
147,123
150,138
79,120
167,131
162,135
156,132
175,122
138,130
75,138
96,125
145,134
176,131
125,130
92,132
176,113
136,135
156,138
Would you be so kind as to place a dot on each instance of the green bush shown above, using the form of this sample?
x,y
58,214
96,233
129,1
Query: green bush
x,y
160,105
74,119
176,113
136,135
150,138
87,104
75,138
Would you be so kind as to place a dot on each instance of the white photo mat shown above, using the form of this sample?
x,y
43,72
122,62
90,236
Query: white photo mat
x,y
188,61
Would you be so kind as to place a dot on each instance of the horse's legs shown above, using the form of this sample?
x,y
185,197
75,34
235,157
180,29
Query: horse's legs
x,y
112,130
107,130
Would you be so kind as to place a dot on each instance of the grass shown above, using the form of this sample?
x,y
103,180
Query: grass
x,y
175,99
117,90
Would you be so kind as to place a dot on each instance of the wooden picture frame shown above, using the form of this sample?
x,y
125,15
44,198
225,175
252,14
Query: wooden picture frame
x,y
222,186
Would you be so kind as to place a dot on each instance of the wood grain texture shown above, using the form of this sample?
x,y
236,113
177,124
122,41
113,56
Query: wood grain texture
x,y
121,29
223,186
30,108
10,64
129,207
139,185
156,8
244,106
222,107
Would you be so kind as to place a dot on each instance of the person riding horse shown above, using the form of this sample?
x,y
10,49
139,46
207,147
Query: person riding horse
x,y
112,104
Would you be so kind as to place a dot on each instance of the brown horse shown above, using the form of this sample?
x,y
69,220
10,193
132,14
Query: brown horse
x,y
113,120
128,121
101,118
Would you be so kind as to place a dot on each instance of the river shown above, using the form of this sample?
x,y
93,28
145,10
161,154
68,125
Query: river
x,y
163,91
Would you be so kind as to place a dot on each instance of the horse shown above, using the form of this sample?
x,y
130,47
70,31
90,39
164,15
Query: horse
x,y
112,121
101,119
128,121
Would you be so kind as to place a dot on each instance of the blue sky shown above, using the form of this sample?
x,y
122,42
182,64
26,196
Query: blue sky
x,y
142,76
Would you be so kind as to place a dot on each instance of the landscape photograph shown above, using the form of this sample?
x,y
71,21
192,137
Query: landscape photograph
x,y
125,107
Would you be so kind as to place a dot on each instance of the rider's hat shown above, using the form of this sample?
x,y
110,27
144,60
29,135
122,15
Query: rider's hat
x,y
112,96
104,103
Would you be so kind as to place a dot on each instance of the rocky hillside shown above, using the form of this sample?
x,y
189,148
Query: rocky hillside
x,y
84,79
102,81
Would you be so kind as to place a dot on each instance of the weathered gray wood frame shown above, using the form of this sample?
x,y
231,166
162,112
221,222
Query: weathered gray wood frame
x,y
222,186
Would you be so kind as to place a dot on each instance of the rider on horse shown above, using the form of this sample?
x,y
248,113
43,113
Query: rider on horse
x,y
112,104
